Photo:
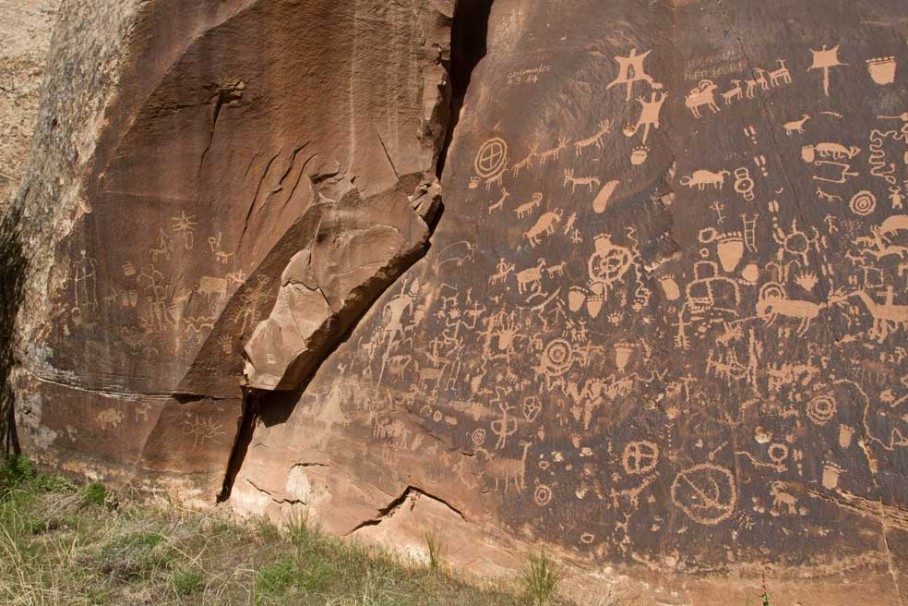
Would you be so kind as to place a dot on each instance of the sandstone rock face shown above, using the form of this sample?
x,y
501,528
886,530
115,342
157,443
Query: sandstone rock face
x,y
25,26
661,325
663,319
246,174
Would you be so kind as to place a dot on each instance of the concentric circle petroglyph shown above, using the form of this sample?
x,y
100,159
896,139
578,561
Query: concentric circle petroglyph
x,y
821,409
542,495
863,203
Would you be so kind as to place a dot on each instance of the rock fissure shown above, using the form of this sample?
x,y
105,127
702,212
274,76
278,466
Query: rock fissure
x,y
409,496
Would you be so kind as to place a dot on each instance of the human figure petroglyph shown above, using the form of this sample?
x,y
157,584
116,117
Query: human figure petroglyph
x,y
253,299
85,282
570,179
703,178
650,111
703,95
524,210
506,425
795,242
631,69
185,225
796,126
605,127
545,225
164,248
825,59
896,198
504,270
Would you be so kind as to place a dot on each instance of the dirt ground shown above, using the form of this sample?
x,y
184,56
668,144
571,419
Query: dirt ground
x,y
25,32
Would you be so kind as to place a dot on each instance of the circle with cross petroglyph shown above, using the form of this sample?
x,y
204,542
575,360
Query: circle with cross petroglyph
x,y
491,157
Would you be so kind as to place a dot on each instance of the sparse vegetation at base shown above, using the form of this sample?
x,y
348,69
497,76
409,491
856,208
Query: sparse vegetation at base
x,y
69,545
540,578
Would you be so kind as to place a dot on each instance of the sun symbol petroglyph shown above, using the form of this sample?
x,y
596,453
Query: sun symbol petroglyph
x,y
640,457
706,493
491,158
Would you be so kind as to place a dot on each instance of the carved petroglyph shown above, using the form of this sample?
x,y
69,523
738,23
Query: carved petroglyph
x,y
703,95
706,493
701,179
588,182
825,59
796,126
631,69
882,70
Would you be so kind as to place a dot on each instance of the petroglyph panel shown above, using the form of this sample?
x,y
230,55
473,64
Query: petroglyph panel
x,y
666,310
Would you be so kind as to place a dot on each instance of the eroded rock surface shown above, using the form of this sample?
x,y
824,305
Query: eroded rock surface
x,y
661,326
663,319
242,174
25,26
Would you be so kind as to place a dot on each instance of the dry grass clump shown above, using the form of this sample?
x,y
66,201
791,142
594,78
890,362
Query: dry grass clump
x,y
63,544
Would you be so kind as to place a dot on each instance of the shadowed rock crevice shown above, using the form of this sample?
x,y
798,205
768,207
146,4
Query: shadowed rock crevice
x,y
12,274
469,37
313,314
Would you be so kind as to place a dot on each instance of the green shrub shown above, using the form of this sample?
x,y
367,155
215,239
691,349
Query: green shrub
x,y
186,582
94,494
277,577
540,577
